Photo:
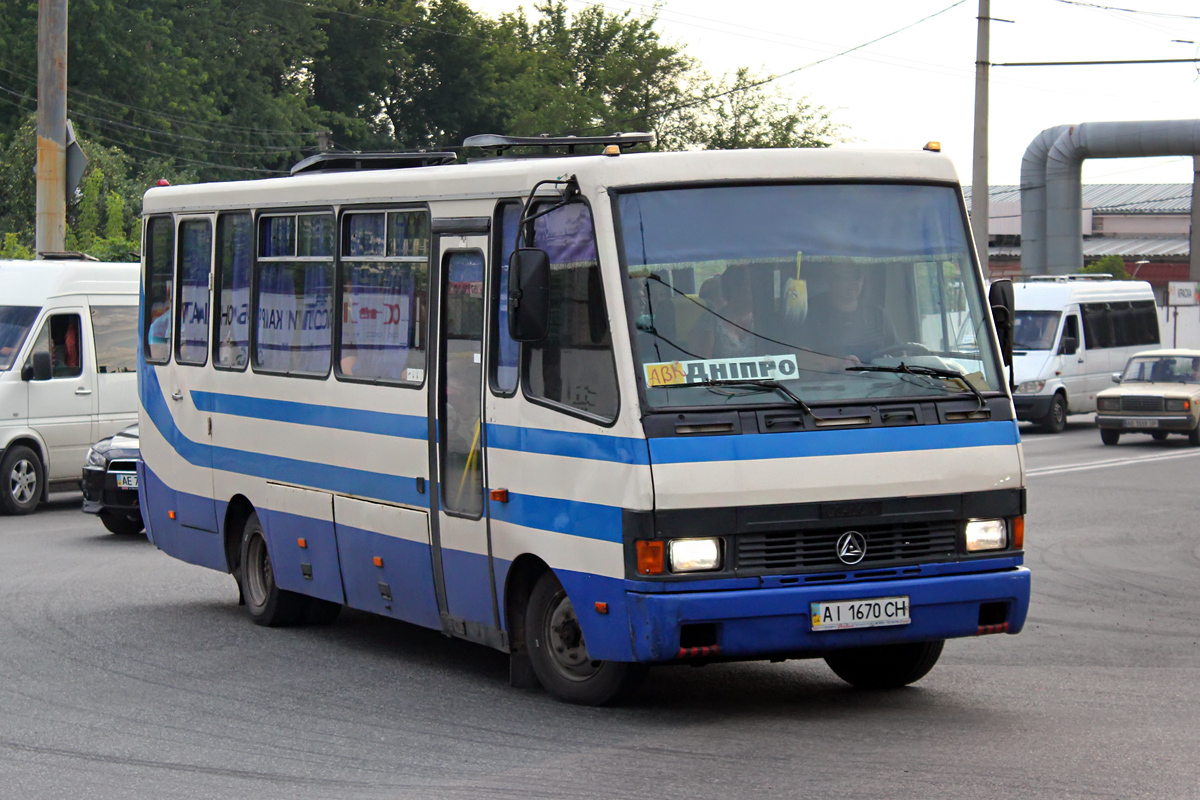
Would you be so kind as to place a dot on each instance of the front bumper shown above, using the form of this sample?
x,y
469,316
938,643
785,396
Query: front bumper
x,y
764,622
100,493
1181,423
1032,407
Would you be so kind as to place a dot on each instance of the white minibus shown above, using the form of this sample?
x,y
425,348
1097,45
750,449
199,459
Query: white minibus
x,y
1070,334
68,370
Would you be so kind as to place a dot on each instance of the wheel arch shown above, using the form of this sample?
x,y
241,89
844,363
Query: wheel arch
x,y
239,510
518,586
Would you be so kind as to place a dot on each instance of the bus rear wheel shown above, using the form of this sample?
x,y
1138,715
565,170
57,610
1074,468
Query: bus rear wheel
x,y
267,603
886,667
559,654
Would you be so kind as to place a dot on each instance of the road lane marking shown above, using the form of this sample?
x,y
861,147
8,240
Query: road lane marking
x,y
1112,462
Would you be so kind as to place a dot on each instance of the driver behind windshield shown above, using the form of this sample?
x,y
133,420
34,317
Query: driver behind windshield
x,y
841,322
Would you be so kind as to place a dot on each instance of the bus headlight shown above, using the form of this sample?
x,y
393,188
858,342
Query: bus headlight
x,y
695,555
1030,387
986,534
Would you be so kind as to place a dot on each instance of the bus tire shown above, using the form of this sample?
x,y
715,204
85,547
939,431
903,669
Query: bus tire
x,y
886,667
1055,420
121,524
22,474
559,655
267,604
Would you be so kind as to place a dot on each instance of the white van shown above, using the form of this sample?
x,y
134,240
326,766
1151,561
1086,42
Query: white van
x,y
1071,333
68,370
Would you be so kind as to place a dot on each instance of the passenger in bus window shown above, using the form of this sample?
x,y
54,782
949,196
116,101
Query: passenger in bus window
x,y
725,330
841,323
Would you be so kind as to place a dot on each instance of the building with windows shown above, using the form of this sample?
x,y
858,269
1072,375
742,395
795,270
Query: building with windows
x,y
1146,224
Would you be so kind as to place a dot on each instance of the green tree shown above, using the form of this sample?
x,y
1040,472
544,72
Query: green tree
x,y
741,111
1111,264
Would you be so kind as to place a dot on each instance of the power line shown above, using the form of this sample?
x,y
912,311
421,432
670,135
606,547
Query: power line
x,y
155,112
105,122
1127,10
771,79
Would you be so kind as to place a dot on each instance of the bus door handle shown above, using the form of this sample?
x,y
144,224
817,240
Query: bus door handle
x,y
176,395
82,390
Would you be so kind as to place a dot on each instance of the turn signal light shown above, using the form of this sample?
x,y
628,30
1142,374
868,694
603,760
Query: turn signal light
x,y
1018,536
650,559
377,561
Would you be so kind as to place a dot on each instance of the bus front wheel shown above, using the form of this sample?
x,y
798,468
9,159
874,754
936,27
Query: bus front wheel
x,y
559,654
267,603
885,667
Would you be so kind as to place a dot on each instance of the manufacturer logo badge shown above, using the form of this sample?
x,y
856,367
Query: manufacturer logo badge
x,y
851,547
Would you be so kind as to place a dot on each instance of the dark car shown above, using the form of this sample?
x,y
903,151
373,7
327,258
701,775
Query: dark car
x,y
110,482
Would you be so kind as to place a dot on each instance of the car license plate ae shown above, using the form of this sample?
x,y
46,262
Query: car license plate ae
x,y
1141,423
875,612
127,481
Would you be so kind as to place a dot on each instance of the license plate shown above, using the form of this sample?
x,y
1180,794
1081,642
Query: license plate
x,y
1141,423
127,481
873,613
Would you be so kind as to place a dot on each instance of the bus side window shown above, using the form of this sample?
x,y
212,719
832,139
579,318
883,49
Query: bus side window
x,y
231,297
503,370
384,278
574,366
159,279
295,294
195,262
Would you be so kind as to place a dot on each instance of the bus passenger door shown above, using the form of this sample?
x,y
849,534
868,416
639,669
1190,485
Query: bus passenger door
x,y
462,547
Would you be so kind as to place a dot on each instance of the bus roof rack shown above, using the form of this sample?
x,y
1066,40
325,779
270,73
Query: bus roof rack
x,y
346,162
1076,276
493,141
65,255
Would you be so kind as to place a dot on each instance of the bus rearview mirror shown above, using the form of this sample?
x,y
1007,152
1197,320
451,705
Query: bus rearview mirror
x,y
528,294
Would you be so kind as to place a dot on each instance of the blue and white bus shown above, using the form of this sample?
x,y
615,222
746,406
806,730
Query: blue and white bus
x,y
595,411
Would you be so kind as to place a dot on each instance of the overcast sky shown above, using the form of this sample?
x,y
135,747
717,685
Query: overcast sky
x,y
919,84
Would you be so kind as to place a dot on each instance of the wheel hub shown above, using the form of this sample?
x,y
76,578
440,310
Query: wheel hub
x,y
23,481
566,642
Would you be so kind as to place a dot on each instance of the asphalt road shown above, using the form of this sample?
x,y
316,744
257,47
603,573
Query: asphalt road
x,y
127,674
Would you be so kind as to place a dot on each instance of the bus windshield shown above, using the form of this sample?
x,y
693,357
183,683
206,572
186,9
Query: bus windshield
x,y
14,327
802,284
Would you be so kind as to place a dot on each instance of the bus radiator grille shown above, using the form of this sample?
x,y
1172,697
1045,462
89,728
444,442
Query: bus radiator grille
x,y
812,550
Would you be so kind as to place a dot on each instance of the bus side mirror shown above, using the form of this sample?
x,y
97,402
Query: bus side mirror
x,y
1002,299
41,368
528,295
1069,346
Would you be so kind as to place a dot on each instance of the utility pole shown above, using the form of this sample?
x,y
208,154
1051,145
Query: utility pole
x,y
51,220
979,164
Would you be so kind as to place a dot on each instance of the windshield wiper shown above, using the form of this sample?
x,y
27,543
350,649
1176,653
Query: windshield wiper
x,y
762,383
928,372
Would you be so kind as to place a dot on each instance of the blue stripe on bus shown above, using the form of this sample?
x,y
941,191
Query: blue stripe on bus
x,y
405,426
589,520
680,450
597,447
572,517
345,480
